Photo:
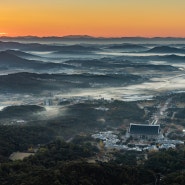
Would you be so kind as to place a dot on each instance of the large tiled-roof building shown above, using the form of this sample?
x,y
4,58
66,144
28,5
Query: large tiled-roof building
x,y
144,131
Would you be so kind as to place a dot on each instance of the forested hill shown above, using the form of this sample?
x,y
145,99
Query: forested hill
x,y
60,163
66,163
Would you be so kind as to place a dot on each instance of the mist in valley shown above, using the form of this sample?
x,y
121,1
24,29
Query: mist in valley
x,y
55,76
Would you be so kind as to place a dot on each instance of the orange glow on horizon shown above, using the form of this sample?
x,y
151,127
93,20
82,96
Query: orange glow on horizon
x,y
114,18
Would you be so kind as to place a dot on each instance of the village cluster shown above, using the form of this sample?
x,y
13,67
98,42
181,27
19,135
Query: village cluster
x,y
139,137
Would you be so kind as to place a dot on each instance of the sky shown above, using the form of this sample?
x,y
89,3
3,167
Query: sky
x,y
107,18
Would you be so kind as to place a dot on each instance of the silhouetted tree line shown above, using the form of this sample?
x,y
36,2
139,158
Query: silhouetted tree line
x,y
20,138
60,163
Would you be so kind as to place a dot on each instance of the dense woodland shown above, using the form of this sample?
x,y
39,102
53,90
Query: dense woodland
x,y
65,163
15,137
70,163
62,163
20,138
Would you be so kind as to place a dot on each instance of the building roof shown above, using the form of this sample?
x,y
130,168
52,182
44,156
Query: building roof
x,y
143,129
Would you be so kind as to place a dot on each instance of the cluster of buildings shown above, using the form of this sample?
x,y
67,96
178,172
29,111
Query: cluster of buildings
x,y
139,137
109,138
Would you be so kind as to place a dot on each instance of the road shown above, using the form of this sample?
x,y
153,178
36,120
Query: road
x,y
161,113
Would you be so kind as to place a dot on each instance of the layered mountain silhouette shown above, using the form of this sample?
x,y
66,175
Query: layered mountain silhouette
x,y
173,58
20,110
76,49
28,46
87,38
127,46
45,47
9,60
107,64
166,49
20,53
35,83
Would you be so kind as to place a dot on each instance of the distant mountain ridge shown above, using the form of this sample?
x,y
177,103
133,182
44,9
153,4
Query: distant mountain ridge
x,y
9,60
166,49
19,53
34,82
15,46
127,46
84,37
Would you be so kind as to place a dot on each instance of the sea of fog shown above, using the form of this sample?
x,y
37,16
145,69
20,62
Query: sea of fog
x,y
157,82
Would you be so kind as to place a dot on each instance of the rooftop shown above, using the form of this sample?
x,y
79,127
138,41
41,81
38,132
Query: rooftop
x,y
143,129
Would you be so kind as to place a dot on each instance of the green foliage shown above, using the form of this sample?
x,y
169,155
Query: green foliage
x,y
64,163
124,110
20,138
126,158
179,97
114,116
177,178
20,111
180,114
166,161
59,163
